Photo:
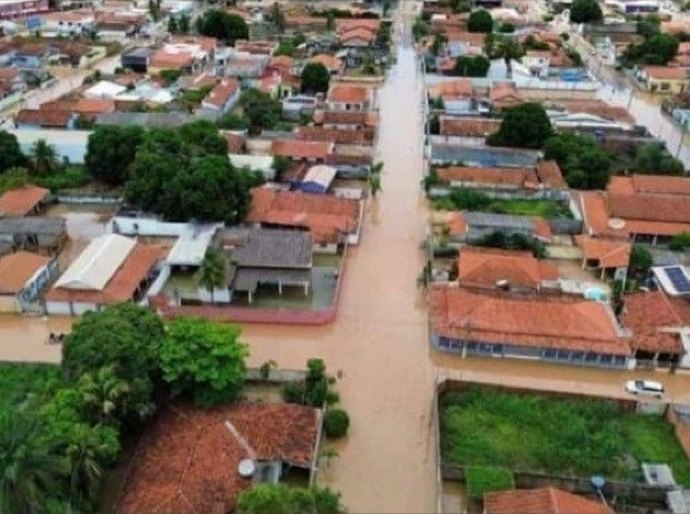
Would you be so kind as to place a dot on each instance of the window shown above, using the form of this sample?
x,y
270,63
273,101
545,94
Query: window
x,y
550,353
664,86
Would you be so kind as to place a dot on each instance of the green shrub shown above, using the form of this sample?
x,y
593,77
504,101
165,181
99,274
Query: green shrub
x,y
69,178
485,479
680,241
335,423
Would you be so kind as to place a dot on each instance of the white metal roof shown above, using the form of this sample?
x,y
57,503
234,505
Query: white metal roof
x,y
191,246
105,89
97,264
321,174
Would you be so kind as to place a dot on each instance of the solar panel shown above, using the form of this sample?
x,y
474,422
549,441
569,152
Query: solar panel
x,y
678,278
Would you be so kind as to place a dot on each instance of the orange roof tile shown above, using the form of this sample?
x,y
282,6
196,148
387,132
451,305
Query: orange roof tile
x,y
94,106
460,88
364,136
348,94
650,315
187,460
599,108
667,72
547,500
222,92
331,62
44,118
611,253
357,33
367,118
282,61
297,149
468,127
348,24
505,95
518,177
549,173
171,60
326,217
22,200
16,269
484,267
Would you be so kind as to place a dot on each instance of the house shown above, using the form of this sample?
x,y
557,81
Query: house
x,y
364,136
349,98
317,179
23,275
468,127
192,460
104,89
492,268
137,59
640,207
357,38
331,220
311,151
23,201
42,118
269,257
256,47
110,270
546,500
297,106
663,79
146,119
30,55
606,255
34,233
119,24
444,153
346,120
552,328
68,23
458,96
227,62
504,95
221,98
11,9
333,64
660,326
469,227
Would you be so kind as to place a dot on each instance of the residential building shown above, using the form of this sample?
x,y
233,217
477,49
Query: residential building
x,y
543,500
332,221
23,276
221,98
508,270
458,96
256,47
192,460
640,207
23,201
11,9
346,120
31,55
230,63
137,59
69,23
269,257
476,127
44,118
317,179
663,79
605,255
34,233
349,98
364,136
110,270
119,24
504,95
146,119
105,89
333,64
297,106
552,328
310,151
469,227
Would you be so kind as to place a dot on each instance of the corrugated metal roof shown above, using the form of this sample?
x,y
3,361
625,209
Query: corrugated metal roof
x,y
191,246
320,175
96,265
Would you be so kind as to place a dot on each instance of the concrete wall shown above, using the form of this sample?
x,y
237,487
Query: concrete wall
x,y
681,428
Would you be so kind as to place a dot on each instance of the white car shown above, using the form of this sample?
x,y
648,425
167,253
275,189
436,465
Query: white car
x,y
645,387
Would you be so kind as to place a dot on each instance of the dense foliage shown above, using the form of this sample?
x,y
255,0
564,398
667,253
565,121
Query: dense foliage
x,y
641,261
315,78
262,111
203,360
523,126
480,21
485,479
514,241
10,153
585,11
283,499
571,437
585,164
680,242
110,152
654,159
222,25
335,423
471,66
658,49
462,199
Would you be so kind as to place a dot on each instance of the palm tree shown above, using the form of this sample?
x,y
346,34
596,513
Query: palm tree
x,y
86,450
377,168
277,18
103,392
44,158
374,184
29,472
213,271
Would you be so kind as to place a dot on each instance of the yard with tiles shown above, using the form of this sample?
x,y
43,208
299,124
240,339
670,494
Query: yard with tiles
x,y
578,437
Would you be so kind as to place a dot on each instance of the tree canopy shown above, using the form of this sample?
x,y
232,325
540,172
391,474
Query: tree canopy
x,y
524,126
283,499
203,360
263,111
10,153
657,49
480,21
585,165
222,25
585,11
110,151
315,78
471,66
654,159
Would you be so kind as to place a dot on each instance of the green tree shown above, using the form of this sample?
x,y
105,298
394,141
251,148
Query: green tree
x,y
585,165
471,66
480,21
462,6
640,261
213,272
125,336
654,159
336,423
233,121
374,184
29,471
276,17
263,111
330,21
44,160
419,28
585,11
204,360
283,499
506,28
657,49
172,25
184,24
10,153
110,152
524,126
315,78
103,394
222,25
202,137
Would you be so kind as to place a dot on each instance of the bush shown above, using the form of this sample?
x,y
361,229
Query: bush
x,y
680,242
72,177
524,126
335,423
480,21
485,479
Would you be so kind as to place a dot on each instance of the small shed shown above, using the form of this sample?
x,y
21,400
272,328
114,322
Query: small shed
x,y
318,179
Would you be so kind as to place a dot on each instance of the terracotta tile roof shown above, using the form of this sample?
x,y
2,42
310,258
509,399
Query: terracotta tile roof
x,y
9,73
452,89
123,284
94,106
649,314
348,94
187,460
326,217
349,24
518,177
283,62
208,44
666,72
364,136
222,92
599,108
504,95
22,200
477,39
331,62
369,119
543,322
547,500
357,33
171,60
549,173
468,127
484,267
650,184
43,118
649,207
297,149
611,253
455,221
596,217
16,269
236,142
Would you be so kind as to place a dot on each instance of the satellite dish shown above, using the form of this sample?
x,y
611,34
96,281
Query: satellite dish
x,y
246,468
616,223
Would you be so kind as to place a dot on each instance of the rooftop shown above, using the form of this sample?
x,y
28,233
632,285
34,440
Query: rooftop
x,y
43,118
297,149
610,253
651,315
22,200
546,500
666,72
269,248
452,89
16,269
348,94
222,92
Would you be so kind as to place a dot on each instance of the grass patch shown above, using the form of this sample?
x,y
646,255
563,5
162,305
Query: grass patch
x,y
568,437
485,479
466,199
24,386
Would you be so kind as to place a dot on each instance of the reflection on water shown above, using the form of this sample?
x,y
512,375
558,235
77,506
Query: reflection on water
x,y
453,497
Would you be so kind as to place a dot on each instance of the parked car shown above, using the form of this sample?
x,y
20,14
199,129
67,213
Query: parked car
x,y
645,387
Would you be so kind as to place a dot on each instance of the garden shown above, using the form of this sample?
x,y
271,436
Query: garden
x,y
578,437
467,199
